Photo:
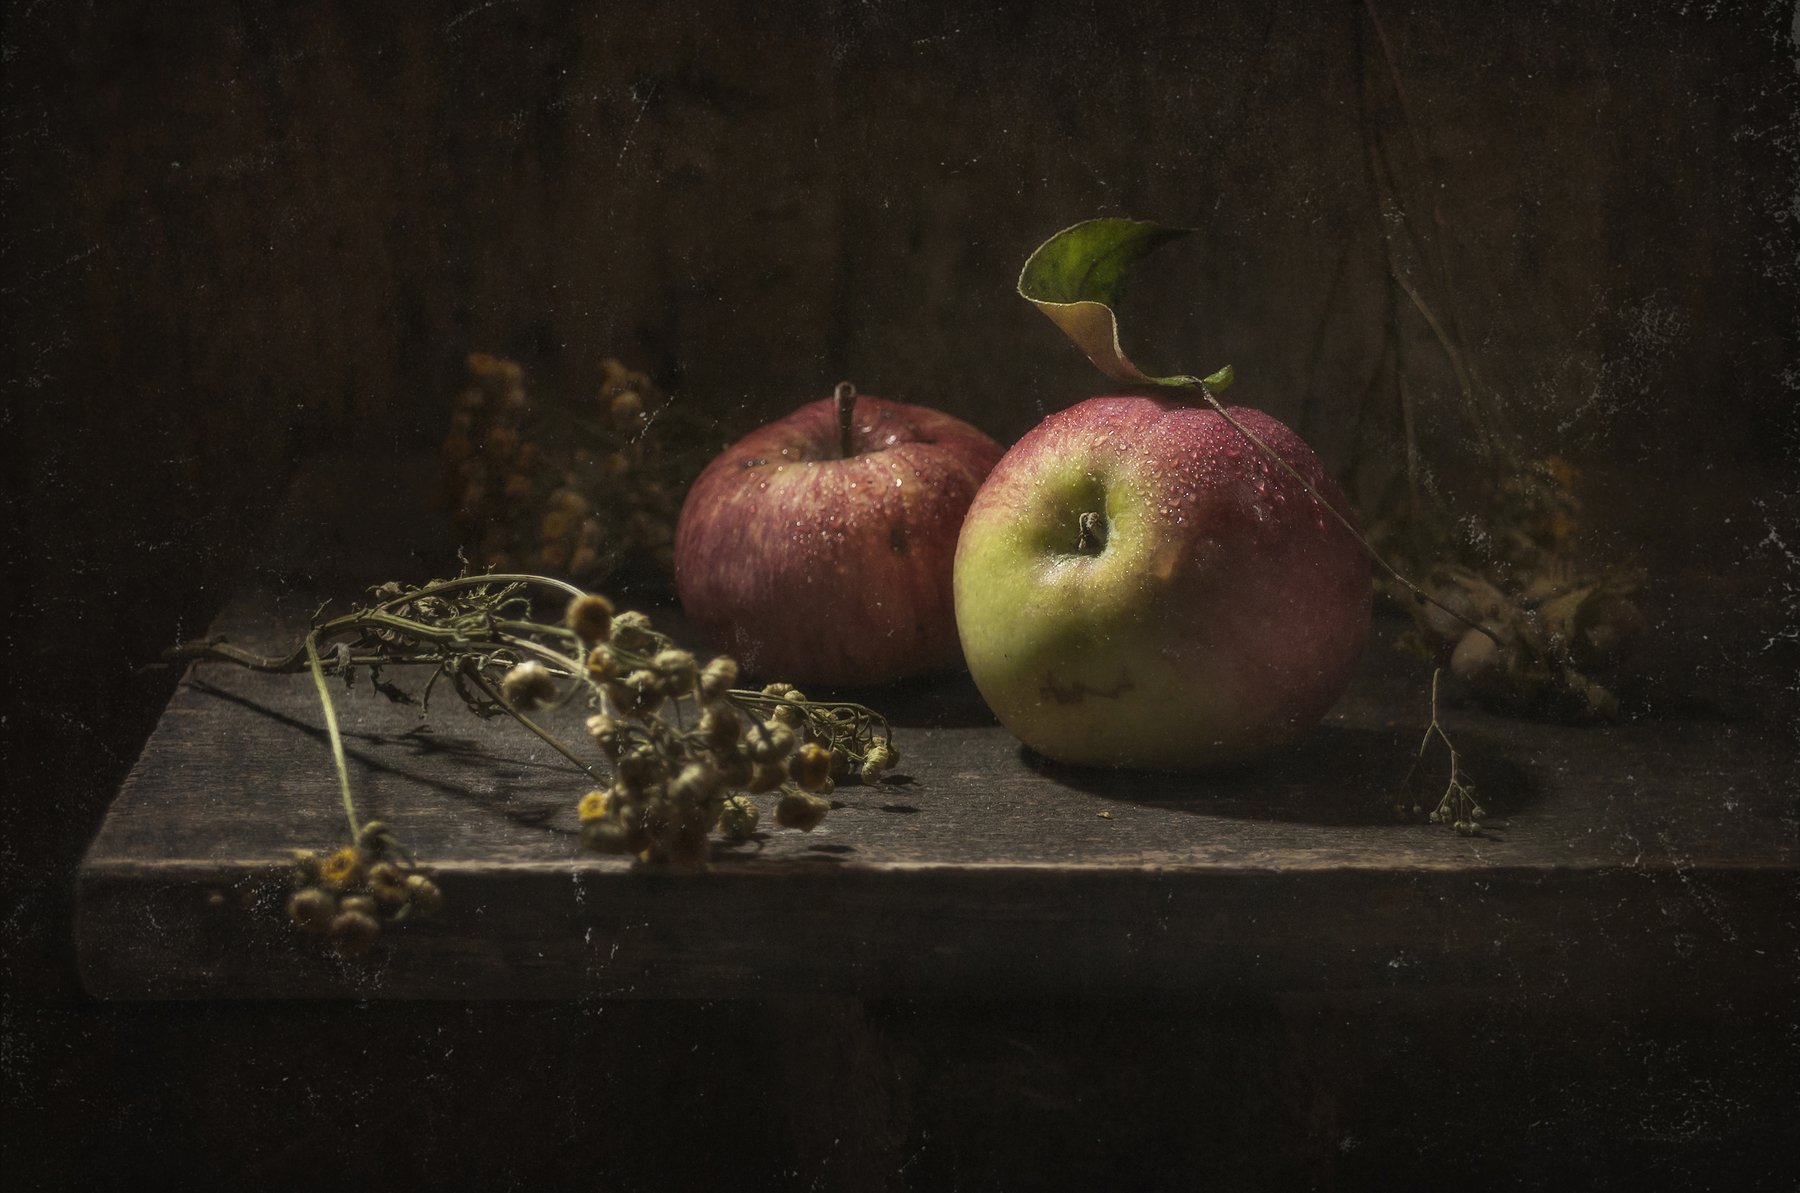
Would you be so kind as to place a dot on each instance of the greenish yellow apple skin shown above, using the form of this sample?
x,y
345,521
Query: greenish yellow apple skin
x,y
1212,612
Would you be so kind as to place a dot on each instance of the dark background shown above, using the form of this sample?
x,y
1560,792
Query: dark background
x,y
238,234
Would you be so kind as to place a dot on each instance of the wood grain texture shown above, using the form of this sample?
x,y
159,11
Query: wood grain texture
x,y
1652,860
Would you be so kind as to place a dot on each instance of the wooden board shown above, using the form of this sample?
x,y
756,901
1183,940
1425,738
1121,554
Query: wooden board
x,y
1651,861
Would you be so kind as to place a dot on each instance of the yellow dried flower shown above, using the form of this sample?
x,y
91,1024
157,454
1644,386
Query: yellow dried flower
x,y
342,870
811,767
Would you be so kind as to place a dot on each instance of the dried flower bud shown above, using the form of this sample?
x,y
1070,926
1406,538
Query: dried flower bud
x,y
811,767
628,407
878,759
769,741
306,866
603,664
766,776
676,668
595,805
609,736
631,631
792,714
312,909
356,905
529,685
720,726
801,810
637,695
696,783
354,932
640,767
737,819
590,616
426,898
719,677
388,883
374,838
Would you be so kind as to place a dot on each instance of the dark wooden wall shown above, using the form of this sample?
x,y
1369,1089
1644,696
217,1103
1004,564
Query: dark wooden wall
x,y
238,233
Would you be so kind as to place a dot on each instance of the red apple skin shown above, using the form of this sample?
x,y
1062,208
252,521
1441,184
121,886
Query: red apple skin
x,y
1221,618
812,568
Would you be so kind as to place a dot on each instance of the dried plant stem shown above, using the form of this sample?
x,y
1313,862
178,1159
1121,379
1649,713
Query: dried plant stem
x,y
1482,410
331,728
1456,806
1256,442
493,693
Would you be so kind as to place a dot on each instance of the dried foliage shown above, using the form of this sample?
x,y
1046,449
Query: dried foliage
x,y
582,489
674,753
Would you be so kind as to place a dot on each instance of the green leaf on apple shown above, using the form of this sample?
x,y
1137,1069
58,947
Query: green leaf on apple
x,y
1077,276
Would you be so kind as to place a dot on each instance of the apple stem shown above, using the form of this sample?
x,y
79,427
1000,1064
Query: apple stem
x,y
845,396
1255,442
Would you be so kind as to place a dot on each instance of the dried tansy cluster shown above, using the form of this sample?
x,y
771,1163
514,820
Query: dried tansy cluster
x,y
678,751
1520,623
689,752
350,893
579,488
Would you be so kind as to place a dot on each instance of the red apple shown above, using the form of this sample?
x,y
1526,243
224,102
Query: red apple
x,y
818,549
1138,585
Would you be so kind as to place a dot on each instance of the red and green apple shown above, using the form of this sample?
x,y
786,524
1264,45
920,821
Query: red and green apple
x,y
1137,584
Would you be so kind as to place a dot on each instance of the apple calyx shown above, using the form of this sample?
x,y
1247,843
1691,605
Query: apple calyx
x,y
1090,537
845,397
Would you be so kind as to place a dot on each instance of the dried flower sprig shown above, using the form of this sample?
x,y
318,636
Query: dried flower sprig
x,y
348,895
682,751
1456,804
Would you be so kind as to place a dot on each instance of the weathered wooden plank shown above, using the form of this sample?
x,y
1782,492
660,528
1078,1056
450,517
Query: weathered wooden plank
x,y
1631,861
